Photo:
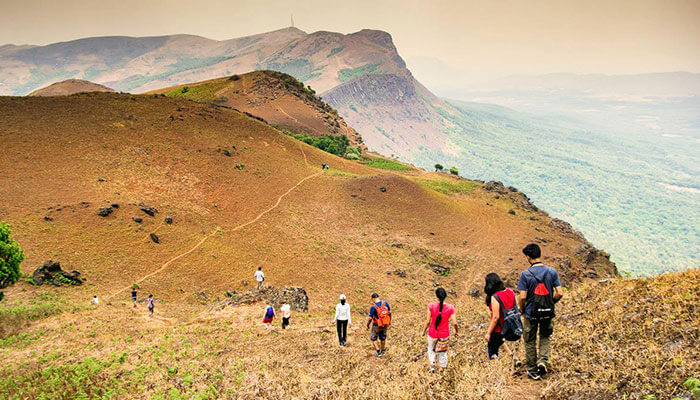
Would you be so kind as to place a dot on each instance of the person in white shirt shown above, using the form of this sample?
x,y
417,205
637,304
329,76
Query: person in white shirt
x,y
260,277
342,319
95,301
286,313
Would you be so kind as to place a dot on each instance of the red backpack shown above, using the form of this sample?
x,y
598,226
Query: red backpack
x,y
383,317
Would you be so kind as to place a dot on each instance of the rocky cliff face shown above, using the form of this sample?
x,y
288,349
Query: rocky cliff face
x,y
392,112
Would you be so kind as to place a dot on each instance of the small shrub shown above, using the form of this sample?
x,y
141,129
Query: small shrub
x,y
11,256
454,170
388,164
185,89
439,167
234,78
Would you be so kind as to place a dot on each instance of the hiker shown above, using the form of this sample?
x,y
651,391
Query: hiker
x,y
437,328
539,288
260,277
505,303
342,319
269,317
133,296
95,301
150,303
286,313
379,319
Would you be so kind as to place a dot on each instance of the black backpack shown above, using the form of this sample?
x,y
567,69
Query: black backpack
x,y
512,326
542,301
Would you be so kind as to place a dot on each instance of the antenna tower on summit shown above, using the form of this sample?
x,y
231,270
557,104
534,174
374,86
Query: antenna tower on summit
x,y
292,17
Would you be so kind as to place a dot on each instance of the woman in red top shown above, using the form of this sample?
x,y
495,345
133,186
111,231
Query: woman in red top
x,y
437,327
495,287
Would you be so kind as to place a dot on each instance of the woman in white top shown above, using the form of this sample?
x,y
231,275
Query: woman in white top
x,y
342,319
286,313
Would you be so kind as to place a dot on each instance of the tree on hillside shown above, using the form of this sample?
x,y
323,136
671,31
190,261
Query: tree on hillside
x,y
11,255
439,167
454,170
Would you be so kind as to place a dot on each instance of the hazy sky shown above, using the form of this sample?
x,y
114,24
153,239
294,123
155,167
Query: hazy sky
x,y
479,38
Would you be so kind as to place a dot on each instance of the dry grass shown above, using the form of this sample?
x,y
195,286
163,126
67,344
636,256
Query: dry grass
x,y
118,352
629,338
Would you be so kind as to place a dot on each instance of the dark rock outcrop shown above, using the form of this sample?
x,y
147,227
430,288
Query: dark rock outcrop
x,y
439,269
51,272
517,197
295,296
154,238
104,211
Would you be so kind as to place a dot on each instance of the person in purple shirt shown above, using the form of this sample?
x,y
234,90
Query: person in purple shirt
x,y
539,288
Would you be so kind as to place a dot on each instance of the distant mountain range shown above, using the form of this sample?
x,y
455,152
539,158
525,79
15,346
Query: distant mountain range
x,y
361,74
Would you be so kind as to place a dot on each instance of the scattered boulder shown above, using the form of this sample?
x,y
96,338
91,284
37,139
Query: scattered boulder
x,y
114,205
397,245
439,269
511,212
517,197
401,273
226,153
51,272
104,211
47,218
475,292
149,210
382,189
138,220
101,179
566,228
154,238
294,296
586,253
168,219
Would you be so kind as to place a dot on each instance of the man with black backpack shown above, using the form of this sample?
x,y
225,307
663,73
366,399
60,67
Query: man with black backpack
x,y
539,288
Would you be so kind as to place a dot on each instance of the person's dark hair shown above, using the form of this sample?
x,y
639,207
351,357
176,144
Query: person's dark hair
x,y
441,295
493,284
532,250
374,295
259,268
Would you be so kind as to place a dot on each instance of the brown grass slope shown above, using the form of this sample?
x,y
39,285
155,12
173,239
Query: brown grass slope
x,y
330,232
70,86
276,97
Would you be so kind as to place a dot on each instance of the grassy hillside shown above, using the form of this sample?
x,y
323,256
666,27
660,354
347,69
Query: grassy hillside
x,y
278,98
241,194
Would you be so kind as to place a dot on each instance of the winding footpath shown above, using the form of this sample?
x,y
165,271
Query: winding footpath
x,y
239,227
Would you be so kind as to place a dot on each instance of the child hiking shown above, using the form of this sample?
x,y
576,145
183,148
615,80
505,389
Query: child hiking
x,y
133,296
505,318
269,317
150,303
437,328
379,320
342,319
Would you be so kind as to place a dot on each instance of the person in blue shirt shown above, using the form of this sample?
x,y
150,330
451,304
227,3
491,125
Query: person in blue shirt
x,y
379,320
539,288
